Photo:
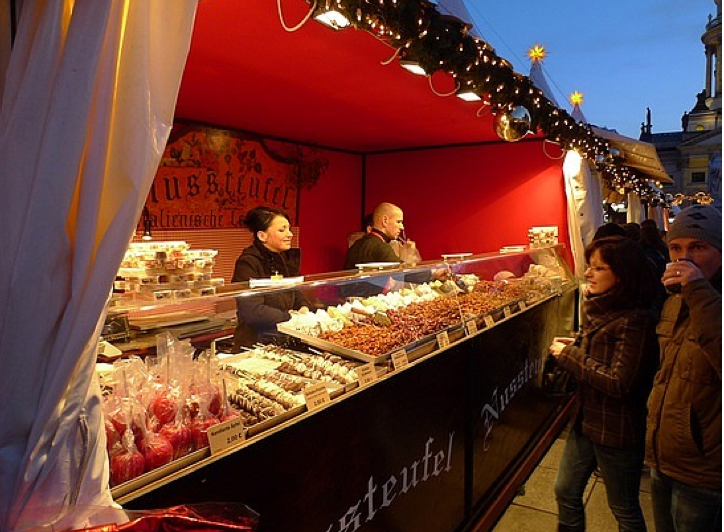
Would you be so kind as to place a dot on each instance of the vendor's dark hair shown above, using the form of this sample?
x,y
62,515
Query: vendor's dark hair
x,y
638,281
368,221
260,218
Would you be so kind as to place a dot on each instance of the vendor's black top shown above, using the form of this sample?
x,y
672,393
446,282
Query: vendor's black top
x,y
258,315
373,247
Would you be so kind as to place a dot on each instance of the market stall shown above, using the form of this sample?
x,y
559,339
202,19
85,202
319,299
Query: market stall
x,y
274,73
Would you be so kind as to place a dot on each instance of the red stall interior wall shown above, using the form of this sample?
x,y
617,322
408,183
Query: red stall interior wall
x,y
473,198
329,211
457,199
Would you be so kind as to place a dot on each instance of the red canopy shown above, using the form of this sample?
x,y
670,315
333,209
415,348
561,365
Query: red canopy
x,y
316,85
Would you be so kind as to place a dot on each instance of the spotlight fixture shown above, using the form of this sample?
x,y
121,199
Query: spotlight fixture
x,y
468,95
333,19
146,225
413,66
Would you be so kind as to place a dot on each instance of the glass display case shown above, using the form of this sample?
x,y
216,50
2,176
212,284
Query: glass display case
x,y
365,315
366,339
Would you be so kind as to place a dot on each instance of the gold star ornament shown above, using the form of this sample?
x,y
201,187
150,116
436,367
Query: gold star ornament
x,y
576,98
537,53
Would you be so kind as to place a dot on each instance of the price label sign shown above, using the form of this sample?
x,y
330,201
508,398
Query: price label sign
x,y
443,340
471,326
399,359
366,374
226,434
507,312
489,321
316,396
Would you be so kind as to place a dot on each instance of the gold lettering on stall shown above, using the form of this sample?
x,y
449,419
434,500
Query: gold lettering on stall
x,y
210,178
193,198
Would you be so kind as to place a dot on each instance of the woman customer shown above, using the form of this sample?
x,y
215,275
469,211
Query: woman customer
x,y
613,360
270,254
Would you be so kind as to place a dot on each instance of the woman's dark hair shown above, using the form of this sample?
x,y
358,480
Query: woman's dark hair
x,y
609,229
638,282
633,230
260,218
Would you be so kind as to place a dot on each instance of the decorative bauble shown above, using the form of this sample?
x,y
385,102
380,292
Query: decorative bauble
x,y
513,125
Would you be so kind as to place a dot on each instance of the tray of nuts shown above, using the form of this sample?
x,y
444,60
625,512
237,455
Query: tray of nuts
x,y
331,346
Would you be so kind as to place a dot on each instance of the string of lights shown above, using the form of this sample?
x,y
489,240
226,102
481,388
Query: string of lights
x,y
428,41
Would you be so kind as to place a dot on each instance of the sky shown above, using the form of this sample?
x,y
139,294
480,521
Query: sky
x,y
624,56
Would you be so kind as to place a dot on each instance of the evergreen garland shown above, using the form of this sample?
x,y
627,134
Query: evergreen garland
x,y
441,42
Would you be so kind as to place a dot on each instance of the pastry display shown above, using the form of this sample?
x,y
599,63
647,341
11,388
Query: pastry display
x,y
543,236
166,271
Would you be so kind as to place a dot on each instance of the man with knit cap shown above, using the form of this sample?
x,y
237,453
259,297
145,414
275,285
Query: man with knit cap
x,y
684,432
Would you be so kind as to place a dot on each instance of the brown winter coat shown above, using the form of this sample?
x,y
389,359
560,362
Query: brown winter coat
x,y
683,439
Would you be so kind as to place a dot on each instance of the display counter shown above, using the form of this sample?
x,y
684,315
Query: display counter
x,y
452,422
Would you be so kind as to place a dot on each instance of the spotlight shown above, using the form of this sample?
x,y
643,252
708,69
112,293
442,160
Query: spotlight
x,y
146,225
413,66
333,19
468,95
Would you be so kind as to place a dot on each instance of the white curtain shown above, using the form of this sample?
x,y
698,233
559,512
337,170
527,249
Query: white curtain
x,y
585,206
87,108
636,212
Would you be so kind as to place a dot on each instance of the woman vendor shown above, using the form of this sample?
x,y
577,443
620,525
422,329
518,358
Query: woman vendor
x,y
269,255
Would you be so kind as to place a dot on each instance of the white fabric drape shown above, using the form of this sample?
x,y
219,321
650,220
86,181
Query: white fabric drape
x,y
636,212
86,112
585,207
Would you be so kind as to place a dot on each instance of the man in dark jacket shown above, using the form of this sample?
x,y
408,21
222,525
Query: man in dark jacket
x,y
683,440
387,223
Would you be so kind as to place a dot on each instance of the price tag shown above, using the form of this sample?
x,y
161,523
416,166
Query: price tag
x,y
316,396
489,321
366,374
523,306
471,326
399,359
443,340
507,312
226,434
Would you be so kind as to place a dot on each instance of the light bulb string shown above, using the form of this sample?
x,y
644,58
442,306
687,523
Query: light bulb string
x,y
292,29
479,112
563,138
394,56
443,94
546,141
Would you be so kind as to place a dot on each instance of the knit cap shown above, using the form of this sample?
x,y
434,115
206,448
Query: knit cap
x,y
702,222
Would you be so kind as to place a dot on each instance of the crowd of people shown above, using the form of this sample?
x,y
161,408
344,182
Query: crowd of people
x,y
639,402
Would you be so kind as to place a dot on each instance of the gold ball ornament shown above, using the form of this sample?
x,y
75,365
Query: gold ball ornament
x,y
513,125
